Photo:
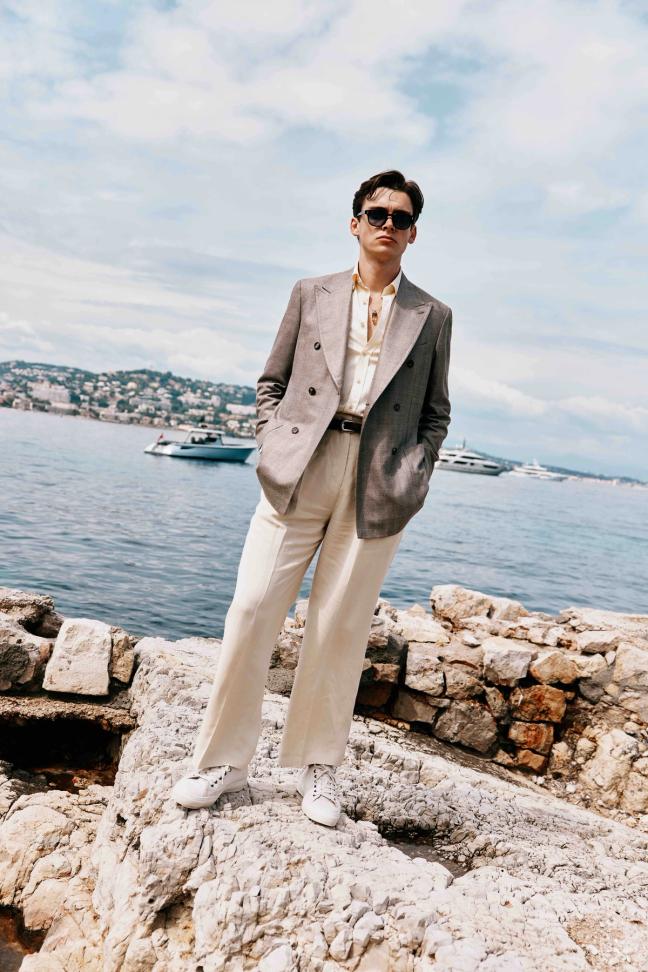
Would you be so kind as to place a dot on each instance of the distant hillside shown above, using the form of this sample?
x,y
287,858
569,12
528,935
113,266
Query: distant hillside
x,y
140,396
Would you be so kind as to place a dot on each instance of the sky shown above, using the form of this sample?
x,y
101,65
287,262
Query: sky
x,y
170,169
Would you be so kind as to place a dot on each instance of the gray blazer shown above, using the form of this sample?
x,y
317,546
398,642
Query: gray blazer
x,y
408,410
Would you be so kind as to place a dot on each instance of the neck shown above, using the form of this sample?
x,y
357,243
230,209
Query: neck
x,y
376,275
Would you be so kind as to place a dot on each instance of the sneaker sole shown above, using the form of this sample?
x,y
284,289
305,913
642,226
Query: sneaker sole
x,y
197,805
316,819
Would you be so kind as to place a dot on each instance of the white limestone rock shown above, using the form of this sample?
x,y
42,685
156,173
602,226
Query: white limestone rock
x,y
631,667
506,661
635,793
44,870
460,683
414,627
80,662
608,770
34,612
593,642
454,603
634,701
285,653
423,669
630,626
588,665
23,655
536,628
480,627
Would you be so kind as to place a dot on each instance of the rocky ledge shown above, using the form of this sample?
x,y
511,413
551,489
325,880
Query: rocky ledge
x,y
507,876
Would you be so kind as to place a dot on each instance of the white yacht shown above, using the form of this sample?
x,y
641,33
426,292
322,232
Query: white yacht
x,y
534,470
461,459
200,443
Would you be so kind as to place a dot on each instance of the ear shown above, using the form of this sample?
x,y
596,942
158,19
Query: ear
x,y
354,226
412,235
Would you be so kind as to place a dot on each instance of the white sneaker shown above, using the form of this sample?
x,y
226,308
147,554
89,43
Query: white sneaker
x,y
203,787
318,788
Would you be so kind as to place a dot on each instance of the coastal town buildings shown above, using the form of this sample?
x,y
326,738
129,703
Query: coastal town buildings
x,y
141,397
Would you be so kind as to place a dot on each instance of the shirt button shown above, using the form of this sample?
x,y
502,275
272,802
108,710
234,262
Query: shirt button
x,y
295,429
311,390
394,450
410,363
396,407
317,345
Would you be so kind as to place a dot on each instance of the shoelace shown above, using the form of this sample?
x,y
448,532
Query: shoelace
x,y
212,775
324,782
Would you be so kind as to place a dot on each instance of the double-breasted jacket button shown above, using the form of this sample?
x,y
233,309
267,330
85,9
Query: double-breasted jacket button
x,y
317,345
396,407
311,391
394,450
295,429
410,363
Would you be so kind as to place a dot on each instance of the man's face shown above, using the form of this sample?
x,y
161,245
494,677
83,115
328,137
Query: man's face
x,y
384,243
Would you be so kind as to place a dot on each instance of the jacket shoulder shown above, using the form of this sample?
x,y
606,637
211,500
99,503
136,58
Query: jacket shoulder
x,y
330,280
422,295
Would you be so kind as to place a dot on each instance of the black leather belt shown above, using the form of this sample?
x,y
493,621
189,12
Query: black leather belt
x,y
345,424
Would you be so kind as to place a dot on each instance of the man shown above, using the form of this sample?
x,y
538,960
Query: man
x,y
352,410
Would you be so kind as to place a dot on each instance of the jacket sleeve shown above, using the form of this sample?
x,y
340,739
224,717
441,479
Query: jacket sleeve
x,y
435,414
271,385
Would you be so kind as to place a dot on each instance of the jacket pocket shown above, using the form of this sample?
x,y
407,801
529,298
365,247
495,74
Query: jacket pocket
x,y
266,430
415,459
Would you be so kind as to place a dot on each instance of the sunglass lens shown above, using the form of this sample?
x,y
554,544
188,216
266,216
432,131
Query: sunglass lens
x,y
402,220
377,216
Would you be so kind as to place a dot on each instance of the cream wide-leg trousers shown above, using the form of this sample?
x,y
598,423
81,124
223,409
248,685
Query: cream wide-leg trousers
x,y
345,588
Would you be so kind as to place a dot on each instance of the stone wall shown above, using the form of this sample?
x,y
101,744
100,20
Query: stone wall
x,y
564,698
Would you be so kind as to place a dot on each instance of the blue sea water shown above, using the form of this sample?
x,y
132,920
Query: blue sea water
x,y
153,543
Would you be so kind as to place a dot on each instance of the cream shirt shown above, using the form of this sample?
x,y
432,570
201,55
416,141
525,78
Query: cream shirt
x,y
362,355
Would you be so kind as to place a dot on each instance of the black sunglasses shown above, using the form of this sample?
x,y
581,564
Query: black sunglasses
x,y
401,219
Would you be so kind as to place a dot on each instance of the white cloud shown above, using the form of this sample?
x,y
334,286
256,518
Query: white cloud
x,y
475,391
19,337
571,79
468,385
607,414
65,281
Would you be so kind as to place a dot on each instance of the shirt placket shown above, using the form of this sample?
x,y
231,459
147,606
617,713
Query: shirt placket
x,y
367,352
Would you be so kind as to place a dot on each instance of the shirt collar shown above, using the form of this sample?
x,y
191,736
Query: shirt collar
x,y
391,288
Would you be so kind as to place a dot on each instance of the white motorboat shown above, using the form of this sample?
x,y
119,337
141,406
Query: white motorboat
x,y
200,443
460,459
533,470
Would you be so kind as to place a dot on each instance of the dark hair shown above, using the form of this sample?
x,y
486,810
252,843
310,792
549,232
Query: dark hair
x,y
392,179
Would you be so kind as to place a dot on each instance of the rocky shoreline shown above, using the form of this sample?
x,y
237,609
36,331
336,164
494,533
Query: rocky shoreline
x,y
510,746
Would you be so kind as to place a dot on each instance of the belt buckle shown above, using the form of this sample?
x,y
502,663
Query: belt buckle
x,y
345,423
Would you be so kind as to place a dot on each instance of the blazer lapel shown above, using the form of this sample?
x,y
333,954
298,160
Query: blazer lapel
x,y
403,327
333,301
